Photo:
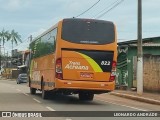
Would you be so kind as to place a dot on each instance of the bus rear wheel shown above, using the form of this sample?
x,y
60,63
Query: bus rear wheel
x,y
45,94
86,96
32,91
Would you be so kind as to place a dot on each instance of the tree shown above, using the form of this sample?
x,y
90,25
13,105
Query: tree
x,y
4,36
14,38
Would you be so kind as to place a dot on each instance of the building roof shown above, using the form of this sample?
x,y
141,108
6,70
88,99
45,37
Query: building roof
x,y
148,45
148,42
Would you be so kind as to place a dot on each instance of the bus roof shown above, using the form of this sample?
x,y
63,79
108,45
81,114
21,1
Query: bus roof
x,y
86,19
54,26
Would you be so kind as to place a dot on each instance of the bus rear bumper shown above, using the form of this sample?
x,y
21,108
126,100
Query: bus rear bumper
x,y
96,87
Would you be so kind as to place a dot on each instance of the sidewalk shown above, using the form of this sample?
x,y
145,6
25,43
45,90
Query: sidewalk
x,y
11,79
153,98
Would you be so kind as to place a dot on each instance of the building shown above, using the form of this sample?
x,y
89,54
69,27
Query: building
x,y
16,64
127,63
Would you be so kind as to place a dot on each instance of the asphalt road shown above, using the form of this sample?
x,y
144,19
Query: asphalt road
x,y
16,97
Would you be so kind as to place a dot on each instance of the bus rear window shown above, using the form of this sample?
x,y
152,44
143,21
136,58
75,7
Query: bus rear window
x,y
88,31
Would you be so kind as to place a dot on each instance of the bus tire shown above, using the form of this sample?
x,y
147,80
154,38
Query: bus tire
x,y
45,94
32,91
85,96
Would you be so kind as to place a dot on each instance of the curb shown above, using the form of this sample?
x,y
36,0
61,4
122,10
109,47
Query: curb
x,y
133,97
9,79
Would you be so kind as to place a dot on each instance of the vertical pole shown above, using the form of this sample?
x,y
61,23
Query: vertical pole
x,y
30,38
7,59
4,59
139,51
30,52
0,57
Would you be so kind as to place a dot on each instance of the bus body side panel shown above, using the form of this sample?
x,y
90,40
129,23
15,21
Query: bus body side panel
x,y
42,69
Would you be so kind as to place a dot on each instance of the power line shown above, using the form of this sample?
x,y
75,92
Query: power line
x,y
117,3
109,4
26,40
88,8
21,43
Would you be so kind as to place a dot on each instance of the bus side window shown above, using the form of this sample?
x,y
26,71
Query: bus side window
x,y
54,37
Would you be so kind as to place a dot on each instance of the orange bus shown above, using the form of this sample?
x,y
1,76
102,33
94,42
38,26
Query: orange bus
x,y
75,56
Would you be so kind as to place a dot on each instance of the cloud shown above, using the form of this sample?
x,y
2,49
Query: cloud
x,y
27,16
35,34
15,5
151,21
25,44
148,4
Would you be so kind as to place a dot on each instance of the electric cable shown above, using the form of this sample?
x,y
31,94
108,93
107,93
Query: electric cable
x,y
88,8
118,3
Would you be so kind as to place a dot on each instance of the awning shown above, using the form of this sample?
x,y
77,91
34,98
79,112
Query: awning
x,y
21,66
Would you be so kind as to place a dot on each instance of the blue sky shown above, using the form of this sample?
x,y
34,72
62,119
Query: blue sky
x,y
34,16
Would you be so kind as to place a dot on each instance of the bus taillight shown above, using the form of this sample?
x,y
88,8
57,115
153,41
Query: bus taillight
x,y
113,72
59,68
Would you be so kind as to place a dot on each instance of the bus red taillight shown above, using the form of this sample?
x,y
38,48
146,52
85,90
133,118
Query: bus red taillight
x,y
113,72
59,68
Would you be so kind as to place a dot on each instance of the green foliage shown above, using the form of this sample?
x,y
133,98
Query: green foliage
x,y
44,45
42,49
12,36
4,36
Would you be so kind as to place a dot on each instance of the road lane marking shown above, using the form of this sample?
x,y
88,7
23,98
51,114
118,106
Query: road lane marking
x,y
123,105
36,100
18,90
26,94
51,109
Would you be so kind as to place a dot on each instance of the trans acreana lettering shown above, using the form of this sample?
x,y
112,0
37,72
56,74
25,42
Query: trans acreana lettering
x,y
76,65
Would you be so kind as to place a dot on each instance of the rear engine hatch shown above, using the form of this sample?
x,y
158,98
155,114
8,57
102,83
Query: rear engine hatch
x,y
86,64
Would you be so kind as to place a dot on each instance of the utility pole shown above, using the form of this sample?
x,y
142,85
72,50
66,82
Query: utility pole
x,y
7,59
139,51
30,38
0,57
30,52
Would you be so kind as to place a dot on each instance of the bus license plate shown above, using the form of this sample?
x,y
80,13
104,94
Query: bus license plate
x,y
86,75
